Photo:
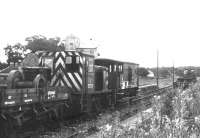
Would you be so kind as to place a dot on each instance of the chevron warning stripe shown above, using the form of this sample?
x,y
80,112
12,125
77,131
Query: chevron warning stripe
x,y
79,78
74,81
60,60
60,76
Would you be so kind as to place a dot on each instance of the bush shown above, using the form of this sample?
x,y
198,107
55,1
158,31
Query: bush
x,y
167,106
142,72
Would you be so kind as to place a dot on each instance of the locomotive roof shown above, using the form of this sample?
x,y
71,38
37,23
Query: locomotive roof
x,y
67,51
106,61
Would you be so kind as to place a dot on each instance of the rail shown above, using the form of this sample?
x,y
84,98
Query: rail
x,y
152,93
75,134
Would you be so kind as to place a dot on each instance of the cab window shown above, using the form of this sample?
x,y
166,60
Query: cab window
x,y
77,60
72,63
48,62
110,68
120,68
115,68
68,60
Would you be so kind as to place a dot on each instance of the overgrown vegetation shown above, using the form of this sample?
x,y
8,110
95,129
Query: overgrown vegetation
x,y
174,115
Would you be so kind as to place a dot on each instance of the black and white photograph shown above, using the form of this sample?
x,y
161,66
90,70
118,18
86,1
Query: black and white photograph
x,y
99,69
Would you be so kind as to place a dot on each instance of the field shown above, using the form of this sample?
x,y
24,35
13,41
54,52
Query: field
x,y
162,81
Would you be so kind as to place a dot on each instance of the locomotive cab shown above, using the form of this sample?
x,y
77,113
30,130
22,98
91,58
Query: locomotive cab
x,y
72,63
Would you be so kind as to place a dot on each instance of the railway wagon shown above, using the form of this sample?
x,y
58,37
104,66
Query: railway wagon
x,y
122,77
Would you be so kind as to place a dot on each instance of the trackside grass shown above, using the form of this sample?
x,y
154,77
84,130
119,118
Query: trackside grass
x,y
174,115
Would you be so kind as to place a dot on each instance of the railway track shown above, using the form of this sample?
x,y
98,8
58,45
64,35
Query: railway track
x,y
128,101
132,100
143,101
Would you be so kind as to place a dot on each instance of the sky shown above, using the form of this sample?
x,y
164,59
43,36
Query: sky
x,y
128,30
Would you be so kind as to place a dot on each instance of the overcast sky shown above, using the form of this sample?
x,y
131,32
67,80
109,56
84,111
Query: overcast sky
x,y
124,30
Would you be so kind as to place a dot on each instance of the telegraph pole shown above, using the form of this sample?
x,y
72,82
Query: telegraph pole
x,y
173,75
157,78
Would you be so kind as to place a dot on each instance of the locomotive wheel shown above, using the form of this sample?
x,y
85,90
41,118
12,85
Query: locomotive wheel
x,y
40,83
13,77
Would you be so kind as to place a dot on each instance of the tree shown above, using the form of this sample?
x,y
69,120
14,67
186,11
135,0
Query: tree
x,y
142,72
41,43
15,53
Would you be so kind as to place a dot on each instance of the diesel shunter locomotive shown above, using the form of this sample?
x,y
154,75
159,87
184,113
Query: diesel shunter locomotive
x,y
62,84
